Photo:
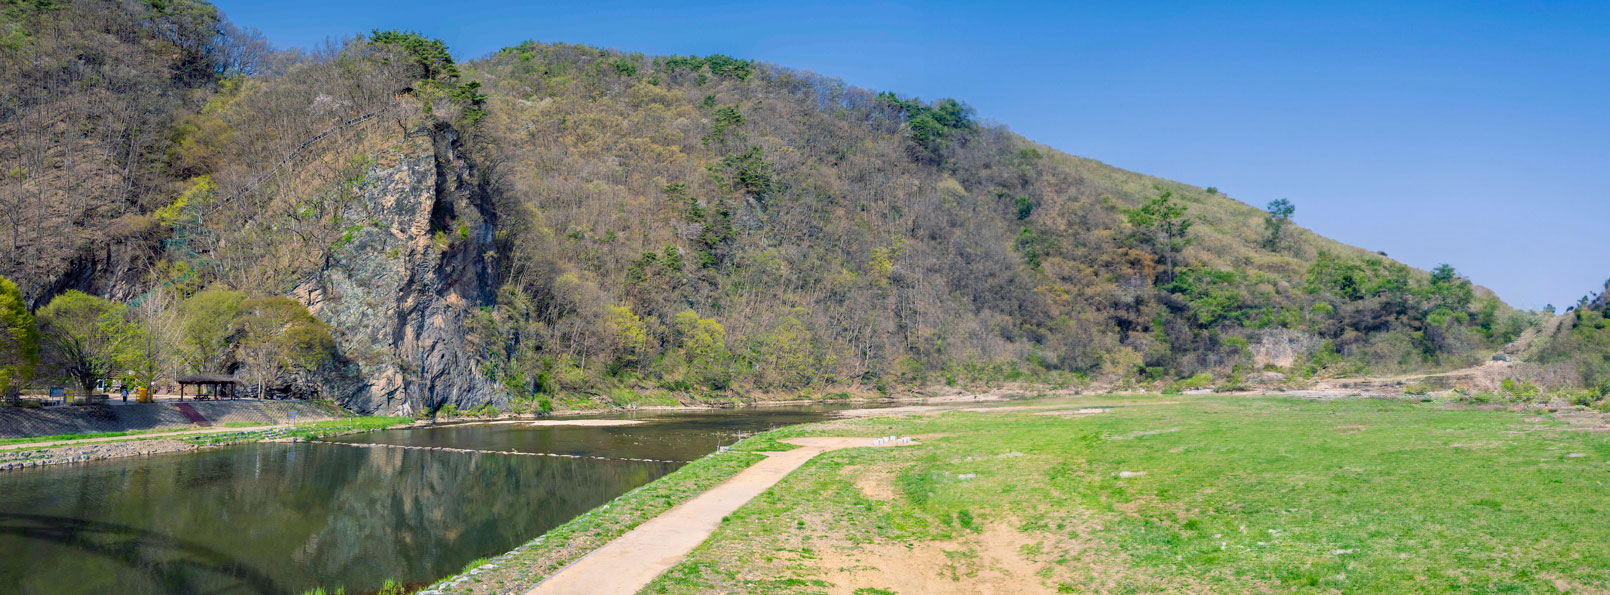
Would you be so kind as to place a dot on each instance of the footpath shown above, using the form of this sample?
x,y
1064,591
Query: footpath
x,y
624,566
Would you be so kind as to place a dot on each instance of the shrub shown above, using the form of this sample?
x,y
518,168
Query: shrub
x,y
1519,389
1201,380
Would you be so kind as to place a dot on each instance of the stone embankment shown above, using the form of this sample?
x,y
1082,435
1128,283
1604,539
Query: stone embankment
x,y
25,457
28,458
18,422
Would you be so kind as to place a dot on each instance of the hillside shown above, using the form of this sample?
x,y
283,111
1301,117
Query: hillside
x,y
1574,348
556,225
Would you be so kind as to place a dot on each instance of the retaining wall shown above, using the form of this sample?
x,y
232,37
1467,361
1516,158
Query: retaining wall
x,y
17,422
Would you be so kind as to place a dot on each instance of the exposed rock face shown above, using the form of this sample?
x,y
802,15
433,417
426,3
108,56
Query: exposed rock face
x,y
396,293
1281,347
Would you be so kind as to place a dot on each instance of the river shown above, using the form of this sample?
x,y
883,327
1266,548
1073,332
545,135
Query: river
x,y
278,518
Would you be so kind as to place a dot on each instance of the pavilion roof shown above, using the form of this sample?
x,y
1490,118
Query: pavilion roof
x,y
207,379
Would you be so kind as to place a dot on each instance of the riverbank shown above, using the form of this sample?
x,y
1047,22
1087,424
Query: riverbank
x,y
1141,493
27,456
936,396
19,424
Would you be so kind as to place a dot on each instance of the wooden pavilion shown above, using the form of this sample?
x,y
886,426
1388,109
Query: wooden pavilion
x,y
221,384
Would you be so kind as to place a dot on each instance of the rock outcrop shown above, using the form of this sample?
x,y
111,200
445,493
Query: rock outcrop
x,y
415,262
1281,347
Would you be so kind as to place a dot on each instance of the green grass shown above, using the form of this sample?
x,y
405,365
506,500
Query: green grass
x,y
1239,495
82,436
581,535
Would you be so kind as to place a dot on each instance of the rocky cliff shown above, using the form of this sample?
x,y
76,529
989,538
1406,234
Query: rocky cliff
x,y
415,261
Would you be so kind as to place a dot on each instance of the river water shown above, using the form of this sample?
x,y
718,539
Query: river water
x,y
285,518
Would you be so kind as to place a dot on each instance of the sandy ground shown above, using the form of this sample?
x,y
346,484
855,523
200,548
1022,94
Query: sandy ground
x,y
587,422
625,565
988,563
548,422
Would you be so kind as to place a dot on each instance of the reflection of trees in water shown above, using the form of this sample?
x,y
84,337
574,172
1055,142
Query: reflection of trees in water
x,y
303,514
417,515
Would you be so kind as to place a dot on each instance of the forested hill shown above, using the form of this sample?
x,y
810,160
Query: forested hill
x,y
557,222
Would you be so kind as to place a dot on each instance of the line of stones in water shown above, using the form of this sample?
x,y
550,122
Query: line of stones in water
x,y
499,452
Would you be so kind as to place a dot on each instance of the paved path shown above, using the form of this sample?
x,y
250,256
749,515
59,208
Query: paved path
x,y
627,564
76,442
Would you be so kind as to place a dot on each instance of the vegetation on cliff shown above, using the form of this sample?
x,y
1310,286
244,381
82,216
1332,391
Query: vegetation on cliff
x,y
834,236
671,226
1579,345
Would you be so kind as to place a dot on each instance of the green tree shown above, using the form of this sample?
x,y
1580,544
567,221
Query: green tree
x,y
278,336
1335,275
431,55
208,328
749,172
1449,290
704,348
627,333
1275,223
722,65
726,118
19,341
153,350
784,354
1164,225
86,337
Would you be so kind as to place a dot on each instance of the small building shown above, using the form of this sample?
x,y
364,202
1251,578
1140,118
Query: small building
x,y
223,386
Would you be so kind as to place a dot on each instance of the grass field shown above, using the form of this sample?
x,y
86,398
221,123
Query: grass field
x,y
1237,495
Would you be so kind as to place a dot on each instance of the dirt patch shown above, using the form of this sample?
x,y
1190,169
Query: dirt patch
x,y
587,422
875,481
552,422
1076,412
991,562
1351,429
894,411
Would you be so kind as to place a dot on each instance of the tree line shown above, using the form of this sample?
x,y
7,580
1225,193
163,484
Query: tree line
x,y
87,341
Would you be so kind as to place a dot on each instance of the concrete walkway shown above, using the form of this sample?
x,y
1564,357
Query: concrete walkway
x,y
624,566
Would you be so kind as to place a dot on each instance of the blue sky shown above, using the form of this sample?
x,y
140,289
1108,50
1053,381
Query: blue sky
x,y
1471,133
